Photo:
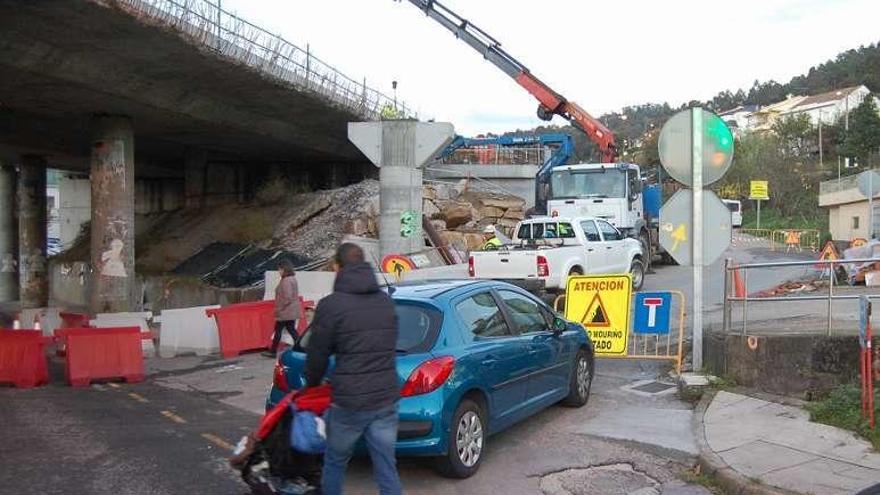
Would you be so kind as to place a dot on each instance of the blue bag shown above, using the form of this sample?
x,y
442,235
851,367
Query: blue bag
x,y
308,433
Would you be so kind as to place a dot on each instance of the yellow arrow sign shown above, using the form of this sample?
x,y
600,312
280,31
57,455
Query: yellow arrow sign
x,y
678,235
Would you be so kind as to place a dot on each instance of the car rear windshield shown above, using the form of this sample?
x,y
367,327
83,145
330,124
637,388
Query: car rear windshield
x,y
418,326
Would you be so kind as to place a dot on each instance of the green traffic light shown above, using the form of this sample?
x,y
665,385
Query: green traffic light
x,y
717,140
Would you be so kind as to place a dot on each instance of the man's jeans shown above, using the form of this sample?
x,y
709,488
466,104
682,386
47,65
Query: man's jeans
x,y
344,428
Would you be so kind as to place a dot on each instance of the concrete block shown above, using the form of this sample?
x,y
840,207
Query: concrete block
x,y
188,330
48,318
757,458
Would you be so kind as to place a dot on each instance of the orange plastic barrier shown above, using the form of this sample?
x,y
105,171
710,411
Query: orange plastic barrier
x,y
101,353
22,360
244,326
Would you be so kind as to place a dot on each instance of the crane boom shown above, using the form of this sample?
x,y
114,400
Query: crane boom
x,y
550,102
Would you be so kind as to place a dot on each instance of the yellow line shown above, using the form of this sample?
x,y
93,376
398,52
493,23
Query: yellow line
x,y
138,397
223,444
114,385
173,417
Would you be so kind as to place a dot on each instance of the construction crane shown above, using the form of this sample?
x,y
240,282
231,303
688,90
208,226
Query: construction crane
x,y
550,102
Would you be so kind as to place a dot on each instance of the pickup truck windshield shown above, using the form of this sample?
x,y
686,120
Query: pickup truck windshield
x,y
574,184
550,230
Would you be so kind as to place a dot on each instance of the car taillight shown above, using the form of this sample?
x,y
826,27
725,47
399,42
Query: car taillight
x,y
543,267
428,377
280,378
471,271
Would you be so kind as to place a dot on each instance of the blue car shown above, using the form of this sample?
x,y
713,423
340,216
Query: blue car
x,y
474,357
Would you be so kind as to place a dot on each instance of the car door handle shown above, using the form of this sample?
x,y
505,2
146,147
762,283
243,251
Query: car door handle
x,y
489,362
590,250
608,247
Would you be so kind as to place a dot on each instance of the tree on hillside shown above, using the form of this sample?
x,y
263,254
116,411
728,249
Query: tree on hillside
x,y
863,139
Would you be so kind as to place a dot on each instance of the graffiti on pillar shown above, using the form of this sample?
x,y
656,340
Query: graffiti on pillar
x,y
408,227
8,264
111,260
110,158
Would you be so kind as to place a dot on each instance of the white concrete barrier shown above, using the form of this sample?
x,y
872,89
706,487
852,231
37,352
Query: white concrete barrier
x,y
128,319
187,330
48,318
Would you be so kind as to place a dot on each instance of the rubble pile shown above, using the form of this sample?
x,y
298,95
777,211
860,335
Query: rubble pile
x,y
460,215
313,224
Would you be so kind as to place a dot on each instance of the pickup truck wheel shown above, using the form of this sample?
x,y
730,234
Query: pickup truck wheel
x,y
637,270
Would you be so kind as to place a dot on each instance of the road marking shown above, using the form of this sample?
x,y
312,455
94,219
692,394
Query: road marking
x,y
114,385
223,444
173,417
138,397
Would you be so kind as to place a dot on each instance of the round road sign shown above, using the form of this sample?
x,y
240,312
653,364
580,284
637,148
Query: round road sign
x,y
869,181
676,151
676,231
397,264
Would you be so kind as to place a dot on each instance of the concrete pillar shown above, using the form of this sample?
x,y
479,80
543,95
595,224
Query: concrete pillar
x,y
195,177
33,275
8,236
400,148
113,194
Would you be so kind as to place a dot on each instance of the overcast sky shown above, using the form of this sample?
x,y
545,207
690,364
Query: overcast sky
x,y
602,54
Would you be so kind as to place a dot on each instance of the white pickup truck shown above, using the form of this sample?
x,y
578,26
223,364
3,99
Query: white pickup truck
x,y
545,251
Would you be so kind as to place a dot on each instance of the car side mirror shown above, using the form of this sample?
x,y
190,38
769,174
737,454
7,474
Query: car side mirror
x,y
559,325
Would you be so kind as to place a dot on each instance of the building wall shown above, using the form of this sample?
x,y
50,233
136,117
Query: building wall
x,y
74,207
840,221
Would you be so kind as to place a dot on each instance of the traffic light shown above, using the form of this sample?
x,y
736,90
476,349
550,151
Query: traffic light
x,y
717,141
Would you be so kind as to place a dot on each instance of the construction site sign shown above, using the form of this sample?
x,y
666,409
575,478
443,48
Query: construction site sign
x,y
602,305
397,264
758,189
829,253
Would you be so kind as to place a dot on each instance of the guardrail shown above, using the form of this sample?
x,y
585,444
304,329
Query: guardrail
x,y
729,268
206,23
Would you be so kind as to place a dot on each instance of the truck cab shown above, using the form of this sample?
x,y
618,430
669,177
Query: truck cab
x,y
608,191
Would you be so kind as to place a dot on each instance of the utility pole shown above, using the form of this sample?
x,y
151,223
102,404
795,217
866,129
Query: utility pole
x,y
821,163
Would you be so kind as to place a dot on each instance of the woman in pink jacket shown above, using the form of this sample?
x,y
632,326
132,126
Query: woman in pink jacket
x,y
287,309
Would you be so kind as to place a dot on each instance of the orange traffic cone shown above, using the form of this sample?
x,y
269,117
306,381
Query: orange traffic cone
x,y
739,288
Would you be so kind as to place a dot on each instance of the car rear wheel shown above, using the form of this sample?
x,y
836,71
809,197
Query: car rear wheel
x,y
581,380
465,442
637,270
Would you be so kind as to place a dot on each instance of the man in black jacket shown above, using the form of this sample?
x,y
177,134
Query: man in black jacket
x,y
358,325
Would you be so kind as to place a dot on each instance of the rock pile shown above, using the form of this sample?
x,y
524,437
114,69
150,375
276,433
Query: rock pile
x,y
460,215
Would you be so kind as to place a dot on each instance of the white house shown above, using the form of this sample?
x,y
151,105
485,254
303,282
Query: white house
x,y
830,106
738,118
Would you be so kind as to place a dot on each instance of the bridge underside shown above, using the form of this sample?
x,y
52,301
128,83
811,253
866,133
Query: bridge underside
x,y
62,62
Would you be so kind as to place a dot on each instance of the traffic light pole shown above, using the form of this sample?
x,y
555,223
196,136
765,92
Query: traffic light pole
x,y
697,233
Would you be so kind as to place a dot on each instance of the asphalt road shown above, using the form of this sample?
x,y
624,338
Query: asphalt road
x,y
172,433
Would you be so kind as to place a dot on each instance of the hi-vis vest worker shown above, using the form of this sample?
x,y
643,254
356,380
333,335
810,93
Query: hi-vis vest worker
x,y
492,242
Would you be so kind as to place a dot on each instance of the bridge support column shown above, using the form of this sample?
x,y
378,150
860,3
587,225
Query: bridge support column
x,y
195,177
112,249
33,274
400,148
8,236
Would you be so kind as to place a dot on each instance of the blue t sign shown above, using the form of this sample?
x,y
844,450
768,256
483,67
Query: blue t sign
x,y
652,312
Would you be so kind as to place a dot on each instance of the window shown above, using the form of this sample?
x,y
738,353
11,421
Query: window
x,y
482,316
608,231
855,222
558,231
525,312
525,231
417,326
591,231
606,182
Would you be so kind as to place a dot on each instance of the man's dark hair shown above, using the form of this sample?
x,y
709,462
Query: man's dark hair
x,y
348,254
286,266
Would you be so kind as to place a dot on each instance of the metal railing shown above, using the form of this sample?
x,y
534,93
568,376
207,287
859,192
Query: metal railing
x,y
207,24
745,299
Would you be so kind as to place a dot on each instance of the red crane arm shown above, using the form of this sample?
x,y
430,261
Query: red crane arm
x,y
551,102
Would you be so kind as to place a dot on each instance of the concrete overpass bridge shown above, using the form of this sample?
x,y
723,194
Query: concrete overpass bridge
x,y
179,93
